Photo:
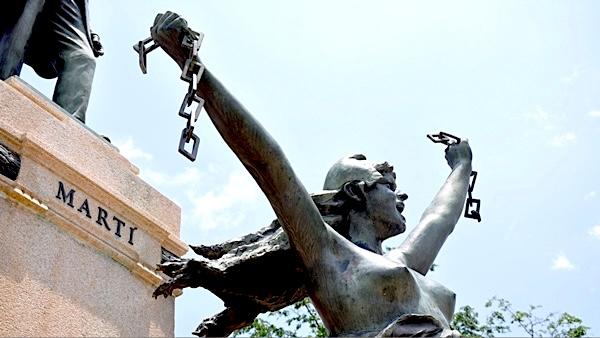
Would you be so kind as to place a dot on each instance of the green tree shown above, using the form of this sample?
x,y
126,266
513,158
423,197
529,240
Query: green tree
x,y
504,318
301,319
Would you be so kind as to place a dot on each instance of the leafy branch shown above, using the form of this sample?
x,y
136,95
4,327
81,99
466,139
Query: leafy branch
x,y
303,320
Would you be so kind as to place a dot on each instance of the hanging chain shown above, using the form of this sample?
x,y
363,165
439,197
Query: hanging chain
x,y
192,72
473,204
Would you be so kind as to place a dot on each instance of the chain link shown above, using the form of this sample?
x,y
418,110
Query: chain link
x,y
192,103
473,204
192,72
443,138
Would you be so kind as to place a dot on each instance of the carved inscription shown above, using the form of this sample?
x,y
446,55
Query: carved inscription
x,y
98,215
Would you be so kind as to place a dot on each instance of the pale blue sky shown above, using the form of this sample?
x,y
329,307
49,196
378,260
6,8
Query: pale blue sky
x,y
520,79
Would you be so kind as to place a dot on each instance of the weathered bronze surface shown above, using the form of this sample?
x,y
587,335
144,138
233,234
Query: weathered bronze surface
x,y
252,275
10,163
334,237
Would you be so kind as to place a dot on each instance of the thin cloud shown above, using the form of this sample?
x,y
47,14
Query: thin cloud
x,y
563,139
225,206
205,204
590,195
561,262
544,119
539,115
594,114
595,231
573,76
128,149
152,176
551,123
190,177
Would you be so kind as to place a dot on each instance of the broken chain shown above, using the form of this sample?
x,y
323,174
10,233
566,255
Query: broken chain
x,y
192,72
473,204
470,211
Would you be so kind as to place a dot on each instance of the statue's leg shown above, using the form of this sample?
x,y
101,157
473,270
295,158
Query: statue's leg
x,y
75,59
74,83
18,18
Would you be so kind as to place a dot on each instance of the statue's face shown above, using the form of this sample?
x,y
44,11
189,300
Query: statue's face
x,y
384,207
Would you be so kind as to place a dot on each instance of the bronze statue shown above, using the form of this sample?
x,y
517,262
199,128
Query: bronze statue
x,y
334,252
54,38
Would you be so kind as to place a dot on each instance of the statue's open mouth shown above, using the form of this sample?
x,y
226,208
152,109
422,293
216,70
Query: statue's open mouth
x,y
400,207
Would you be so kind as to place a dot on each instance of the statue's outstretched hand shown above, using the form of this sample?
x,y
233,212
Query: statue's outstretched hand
x,y
168,32
459,153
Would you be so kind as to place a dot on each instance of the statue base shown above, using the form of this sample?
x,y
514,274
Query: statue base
x,y
80,232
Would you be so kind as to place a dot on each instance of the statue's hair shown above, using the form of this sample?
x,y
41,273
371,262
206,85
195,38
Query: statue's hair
x,y
385,168
335,205
382,168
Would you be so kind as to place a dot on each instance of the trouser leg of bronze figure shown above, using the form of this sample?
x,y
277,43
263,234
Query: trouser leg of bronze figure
x,y
76,63
13,39
74,83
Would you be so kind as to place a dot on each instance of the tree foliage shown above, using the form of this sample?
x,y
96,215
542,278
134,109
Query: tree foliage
x,y
503,318
301,319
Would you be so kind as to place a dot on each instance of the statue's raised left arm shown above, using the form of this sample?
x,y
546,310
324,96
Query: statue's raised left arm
x,y
419,249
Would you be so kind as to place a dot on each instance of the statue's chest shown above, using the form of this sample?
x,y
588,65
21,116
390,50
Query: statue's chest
x,y
372,292
381,285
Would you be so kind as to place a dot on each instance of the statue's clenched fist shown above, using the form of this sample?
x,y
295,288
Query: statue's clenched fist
x,y
168,32
458,153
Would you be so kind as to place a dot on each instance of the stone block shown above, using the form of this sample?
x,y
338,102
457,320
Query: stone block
x,y
80,232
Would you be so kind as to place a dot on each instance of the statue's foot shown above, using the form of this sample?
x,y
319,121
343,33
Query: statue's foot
x,y
178,270
186,273
165,289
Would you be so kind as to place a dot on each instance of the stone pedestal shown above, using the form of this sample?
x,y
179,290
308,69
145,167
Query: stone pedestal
x,y
80,232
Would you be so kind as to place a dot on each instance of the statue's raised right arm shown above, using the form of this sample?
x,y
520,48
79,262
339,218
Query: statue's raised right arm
x,y
252,144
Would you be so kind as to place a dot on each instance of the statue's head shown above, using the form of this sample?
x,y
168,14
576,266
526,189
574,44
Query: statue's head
x,y
356,168
356,184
